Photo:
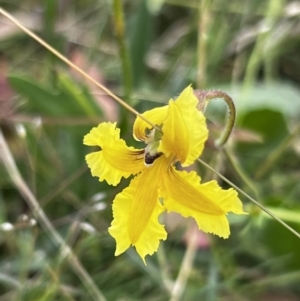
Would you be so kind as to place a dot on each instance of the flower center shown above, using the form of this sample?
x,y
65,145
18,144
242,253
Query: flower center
x,y
152,139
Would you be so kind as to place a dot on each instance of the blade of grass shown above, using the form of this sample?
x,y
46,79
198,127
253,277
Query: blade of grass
x,y
260,55
140,39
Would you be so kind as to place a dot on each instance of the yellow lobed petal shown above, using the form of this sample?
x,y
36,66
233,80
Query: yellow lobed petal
x,y
136,210
116,159
156,116
207,203
184,130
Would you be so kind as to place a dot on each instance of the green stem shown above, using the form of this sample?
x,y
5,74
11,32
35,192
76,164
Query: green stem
x,y
240,172
164,268
260,53
186,266
204,19
50,12
204,97
123,50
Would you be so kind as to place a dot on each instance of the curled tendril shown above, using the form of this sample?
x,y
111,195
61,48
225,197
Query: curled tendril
x,y
204,97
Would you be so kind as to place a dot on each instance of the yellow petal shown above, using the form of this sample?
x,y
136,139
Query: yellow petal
x,y
184,130
116,159
156,116
207,203
136,210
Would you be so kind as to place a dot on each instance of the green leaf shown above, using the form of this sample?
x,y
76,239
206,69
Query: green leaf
x,y
67,100
81,98
279,96
141,38
287,215
40,99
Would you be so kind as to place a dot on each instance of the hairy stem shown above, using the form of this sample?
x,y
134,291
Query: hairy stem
x,y
204,97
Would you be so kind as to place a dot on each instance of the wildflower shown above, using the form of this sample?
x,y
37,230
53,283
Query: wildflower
x,y
179,136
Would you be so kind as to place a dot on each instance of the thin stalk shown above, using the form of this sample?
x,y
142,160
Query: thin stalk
x,y
251,199
260,53
204,19
240,172
239,61
123,49
274,13
39,214
204,97
164,268
186,266
70,64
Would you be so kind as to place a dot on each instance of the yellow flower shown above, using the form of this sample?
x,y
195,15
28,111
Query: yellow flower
x,y
179,135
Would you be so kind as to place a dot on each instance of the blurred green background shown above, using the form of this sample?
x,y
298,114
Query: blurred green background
x,y
249,49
